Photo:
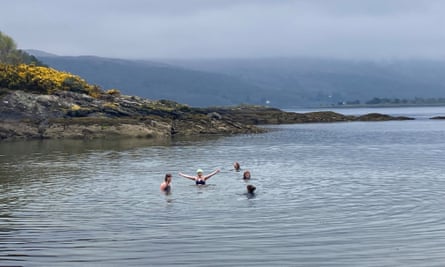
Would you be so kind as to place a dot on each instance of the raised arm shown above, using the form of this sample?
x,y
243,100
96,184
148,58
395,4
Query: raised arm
x,y
187,176
211,174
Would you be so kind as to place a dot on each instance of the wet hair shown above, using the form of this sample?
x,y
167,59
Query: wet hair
x,y
167,176
251,189
236,165
245,175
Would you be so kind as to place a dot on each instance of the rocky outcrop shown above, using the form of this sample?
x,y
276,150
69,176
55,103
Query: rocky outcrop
x,y
25,115
381,117
438,118
258,115
64,114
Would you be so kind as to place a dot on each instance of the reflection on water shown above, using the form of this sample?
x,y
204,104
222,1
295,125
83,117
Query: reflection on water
x,y
342,194
75,146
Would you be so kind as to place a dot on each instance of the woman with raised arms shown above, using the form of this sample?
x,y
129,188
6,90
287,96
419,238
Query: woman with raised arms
x,y
199,179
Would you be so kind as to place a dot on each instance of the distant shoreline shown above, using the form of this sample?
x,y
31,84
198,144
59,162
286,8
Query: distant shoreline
x,y
379,106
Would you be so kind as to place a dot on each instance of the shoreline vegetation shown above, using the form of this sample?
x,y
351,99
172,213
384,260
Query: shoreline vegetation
x,y
384,105
395,102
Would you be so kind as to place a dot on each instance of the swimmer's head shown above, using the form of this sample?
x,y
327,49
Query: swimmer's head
x,y
198,171
236,166
251,189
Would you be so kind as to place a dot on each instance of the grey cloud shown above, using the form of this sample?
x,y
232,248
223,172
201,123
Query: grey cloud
x,y
229,28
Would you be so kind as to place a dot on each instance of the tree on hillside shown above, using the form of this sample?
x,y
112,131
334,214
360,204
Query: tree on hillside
x,y
9,54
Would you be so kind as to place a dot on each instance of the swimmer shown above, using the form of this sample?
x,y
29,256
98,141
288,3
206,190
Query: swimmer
x,y
166,185
199,179
246,175
251,189
236,166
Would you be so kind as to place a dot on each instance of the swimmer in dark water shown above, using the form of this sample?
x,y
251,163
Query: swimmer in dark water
x,y
251,189
246,175
166,185
236,166
199,179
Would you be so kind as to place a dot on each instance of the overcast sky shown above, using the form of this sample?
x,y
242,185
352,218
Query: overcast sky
x,y
358,29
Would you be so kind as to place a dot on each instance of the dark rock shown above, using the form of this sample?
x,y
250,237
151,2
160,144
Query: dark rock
x,y
380,117
214,115
25,115
438,118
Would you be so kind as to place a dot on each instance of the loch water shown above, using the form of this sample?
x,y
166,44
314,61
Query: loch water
x,y
328,194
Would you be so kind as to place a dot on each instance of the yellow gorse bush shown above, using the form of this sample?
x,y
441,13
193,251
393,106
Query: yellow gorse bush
x,y
43,80
113,92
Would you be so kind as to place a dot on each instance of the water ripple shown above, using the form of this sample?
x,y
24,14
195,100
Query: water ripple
x,y
327,195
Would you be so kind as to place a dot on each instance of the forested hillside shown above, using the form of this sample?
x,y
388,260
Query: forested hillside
x,y
284,83
324,81
161,81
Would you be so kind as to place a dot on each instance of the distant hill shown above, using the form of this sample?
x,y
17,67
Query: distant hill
x,y
156,80
324,81
284,83
39,53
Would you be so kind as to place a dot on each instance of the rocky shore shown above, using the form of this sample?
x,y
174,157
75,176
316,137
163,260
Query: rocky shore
x,y
66,114
438,118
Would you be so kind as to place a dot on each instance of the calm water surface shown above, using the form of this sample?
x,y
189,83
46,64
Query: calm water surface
x,y
340,194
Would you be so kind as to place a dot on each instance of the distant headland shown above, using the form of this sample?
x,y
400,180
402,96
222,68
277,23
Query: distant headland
x,y
38,102
61,114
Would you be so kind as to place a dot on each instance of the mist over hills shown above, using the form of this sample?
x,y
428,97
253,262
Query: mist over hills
x,y
157,80
282,82
324,81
